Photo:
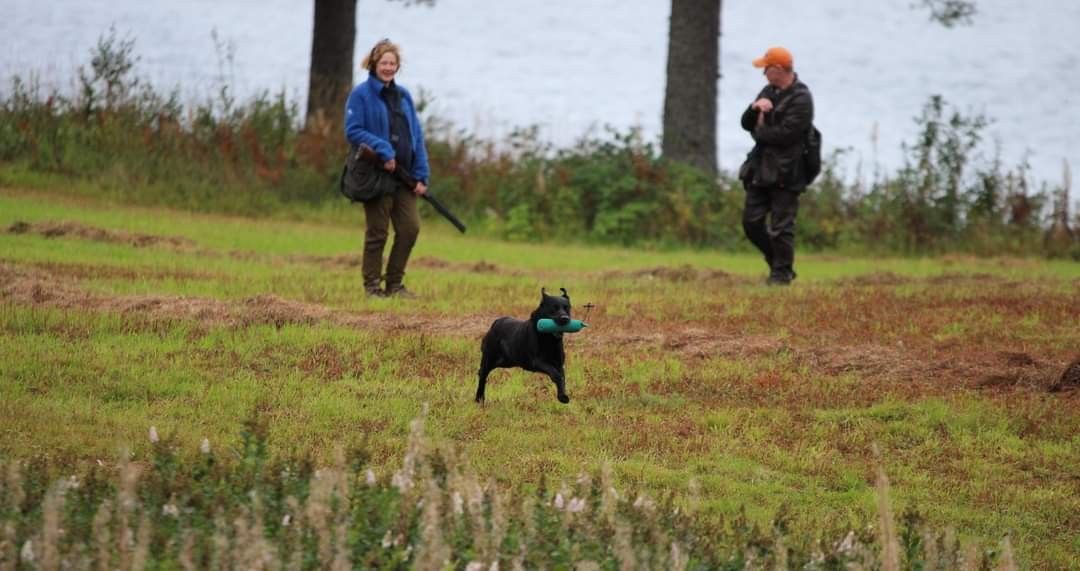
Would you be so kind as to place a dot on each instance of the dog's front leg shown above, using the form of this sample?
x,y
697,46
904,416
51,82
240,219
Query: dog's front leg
x,y
557,377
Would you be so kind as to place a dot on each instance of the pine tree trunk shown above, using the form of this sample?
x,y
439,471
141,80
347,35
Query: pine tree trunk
x,y
330,78
693,69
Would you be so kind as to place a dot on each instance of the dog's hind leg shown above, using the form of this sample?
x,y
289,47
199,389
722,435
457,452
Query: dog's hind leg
x,y
485,368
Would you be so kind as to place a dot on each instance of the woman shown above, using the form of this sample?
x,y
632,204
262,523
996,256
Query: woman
x,y
381,115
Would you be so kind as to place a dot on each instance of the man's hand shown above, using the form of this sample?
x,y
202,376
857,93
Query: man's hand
x,y
421,189
763,105
390,165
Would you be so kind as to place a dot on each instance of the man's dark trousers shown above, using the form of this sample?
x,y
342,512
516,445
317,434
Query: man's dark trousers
x,y
776,236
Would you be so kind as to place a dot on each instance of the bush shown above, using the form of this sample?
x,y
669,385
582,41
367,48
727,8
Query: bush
x,y
255,158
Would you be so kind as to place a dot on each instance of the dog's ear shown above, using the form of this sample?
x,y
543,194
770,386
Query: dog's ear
x,y
564,294
543,292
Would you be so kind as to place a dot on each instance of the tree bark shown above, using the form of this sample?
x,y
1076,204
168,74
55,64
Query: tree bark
x,y
330,78
693,70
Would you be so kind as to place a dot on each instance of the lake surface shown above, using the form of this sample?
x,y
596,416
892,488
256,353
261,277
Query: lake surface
x,y
571,66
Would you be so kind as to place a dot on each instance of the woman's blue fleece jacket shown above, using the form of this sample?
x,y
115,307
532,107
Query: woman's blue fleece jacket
x,y
367,122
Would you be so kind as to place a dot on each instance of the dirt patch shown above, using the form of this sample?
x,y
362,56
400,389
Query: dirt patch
x,y
1069,380
79,271
1001,262
1017,359
30,286
877,279
345,261
34,286
481,267
1012,369
924,369
349,261
431,262
952,366
695,342
683,273
82,231
955,278
862,360
269,308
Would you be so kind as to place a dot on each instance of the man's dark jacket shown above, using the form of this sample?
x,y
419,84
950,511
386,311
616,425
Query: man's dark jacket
x,y
776,160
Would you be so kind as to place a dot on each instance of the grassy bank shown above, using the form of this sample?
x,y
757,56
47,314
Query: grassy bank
x,y
693,380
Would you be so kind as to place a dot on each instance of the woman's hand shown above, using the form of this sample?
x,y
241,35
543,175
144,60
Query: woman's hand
x,y
390,165
421,189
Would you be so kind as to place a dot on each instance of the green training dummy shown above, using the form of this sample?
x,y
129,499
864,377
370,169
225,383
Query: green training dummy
x,y
549,326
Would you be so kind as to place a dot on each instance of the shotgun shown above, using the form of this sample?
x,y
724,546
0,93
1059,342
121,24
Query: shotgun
x,y
368,154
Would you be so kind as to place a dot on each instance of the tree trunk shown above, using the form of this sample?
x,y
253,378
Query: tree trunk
x,y
330,78
693,69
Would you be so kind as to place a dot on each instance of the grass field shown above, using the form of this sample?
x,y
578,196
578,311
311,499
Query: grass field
x,y
693,378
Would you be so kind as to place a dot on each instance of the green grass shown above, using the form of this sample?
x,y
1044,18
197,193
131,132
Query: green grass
x,y
759,397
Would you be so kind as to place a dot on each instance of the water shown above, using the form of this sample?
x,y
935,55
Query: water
x,y
569,66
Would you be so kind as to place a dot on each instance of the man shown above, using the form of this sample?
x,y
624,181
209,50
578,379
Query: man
x,y
779,120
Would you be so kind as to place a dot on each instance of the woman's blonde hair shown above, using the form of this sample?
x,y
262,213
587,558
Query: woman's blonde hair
x,y
382,47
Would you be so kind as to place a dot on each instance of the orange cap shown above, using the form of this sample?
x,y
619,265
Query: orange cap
x,y
776,56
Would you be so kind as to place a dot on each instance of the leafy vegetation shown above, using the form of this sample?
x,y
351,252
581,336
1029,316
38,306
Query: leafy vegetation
x,y
119,138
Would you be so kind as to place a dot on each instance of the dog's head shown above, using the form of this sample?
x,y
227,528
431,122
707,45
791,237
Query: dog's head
x,y
553,307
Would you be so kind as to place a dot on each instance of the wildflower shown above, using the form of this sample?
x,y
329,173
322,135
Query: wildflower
x,y
154,435
401,481
370,478
558,503
71,483
678,559
170,510
285,521
474,566
27,552
459,503
205,446
577,505
848,544
644,503
387,540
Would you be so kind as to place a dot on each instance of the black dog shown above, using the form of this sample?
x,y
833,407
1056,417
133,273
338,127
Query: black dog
x,y
514,343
